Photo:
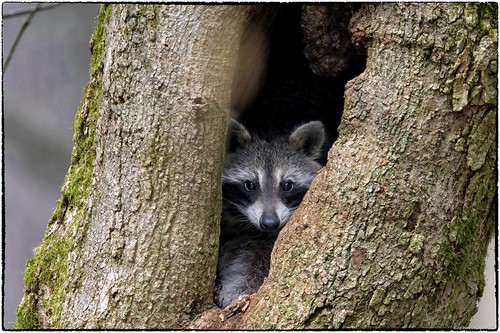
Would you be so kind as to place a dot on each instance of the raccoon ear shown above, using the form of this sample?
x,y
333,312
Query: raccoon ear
x,y
308,139
237,136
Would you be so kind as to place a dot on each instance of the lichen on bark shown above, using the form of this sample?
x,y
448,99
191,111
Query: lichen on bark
x,y
46,275
133,243
394,230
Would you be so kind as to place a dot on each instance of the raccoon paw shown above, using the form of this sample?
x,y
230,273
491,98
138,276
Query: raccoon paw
x,y
240,305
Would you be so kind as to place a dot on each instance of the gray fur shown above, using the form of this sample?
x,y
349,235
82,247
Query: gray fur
x,y
309,139
246,243
244,264
238,136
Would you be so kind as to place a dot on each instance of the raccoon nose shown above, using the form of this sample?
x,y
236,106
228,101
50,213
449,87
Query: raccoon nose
x,y
269,221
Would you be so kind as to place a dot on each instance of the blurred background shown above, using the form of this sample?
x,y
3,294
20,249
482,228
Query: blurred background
x,y
42,88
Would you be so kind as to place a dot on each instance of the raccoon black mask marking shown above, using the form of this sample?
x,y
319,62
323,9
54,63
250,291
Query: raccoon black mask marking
x,y
264,181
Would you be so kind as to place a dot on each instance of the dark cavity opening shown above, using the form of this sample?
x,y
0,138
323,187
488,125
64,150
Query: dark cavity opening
x,y
294,62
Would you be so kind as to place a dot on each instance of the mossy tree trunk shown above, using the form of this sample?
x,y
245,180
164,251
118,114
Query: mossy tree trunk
x,y
133,242
394,230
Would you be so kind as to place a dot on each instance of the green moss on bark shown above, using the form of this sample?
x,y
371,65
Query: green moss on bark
x,y
46,275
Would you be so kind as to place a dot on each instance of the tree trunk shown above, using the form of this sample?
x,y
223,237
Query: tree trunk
x,y
394,230
133,243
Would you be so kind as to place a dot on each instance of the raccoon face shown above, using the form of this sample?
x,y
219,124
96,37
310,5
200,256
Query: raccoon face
x,y
264,181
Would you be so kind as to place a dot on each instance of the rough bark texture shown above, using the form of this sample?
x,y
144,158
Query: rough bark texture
x,y
133,243
394,230
329,48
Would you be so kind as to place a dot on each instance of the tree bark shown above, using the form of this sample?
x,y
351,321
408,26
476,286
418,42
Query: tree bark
x,y
394,230
133,243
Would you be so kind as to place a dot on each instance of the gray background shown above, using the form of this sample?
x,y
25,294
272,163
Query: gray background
x,y
43,86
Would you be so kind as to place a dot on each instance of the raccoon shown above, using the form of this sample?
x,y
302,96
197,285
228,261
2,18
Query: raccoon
x,y
264,181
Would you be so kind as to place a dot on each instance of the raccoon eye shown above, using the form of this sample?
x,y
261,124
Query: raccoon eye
x,y
287,186
249,186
